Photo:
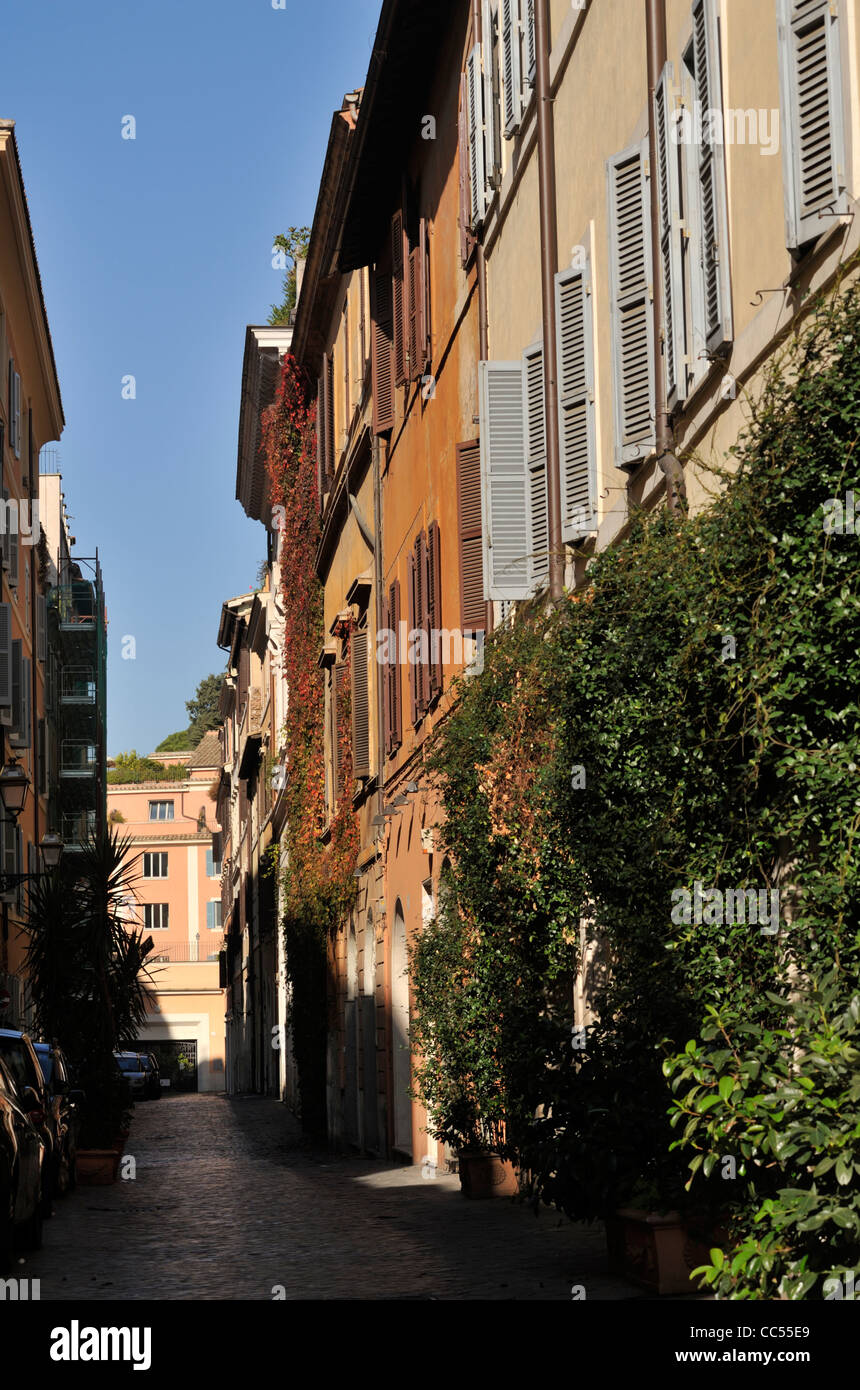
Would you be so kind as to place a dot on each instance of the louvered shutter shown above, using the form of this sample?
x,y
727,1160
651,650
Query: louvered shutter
x,y
41,757
10,396
669,192
5,654
813,133
511,76
41,628
25,732
414,610
632,319
576,423
534,415
341,677
17,692
360,703
422,609
713,205
504,495
398,297
13,556
381,349
416,353
531,46
395,698
16,412
475,127
10,848
472,610
329,419
385,675
436,669
465,220
492,152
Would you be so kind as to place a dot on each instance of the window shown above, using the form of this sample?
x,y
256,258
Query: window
x,y
155,865
391,671
425,620
213,865
510,491
360,700
325,427
161,810
155,916
630,306
213,914
811,111
14,410
575,376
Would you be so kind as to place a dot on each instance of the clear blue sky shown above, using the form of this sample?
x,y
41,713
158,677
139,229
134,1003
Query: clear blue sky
x,y
155,254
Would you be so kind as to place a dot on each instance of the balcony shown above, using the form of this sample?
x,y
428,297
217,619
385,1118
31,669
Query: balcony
x,y
78,686
78,759
78,828
184,953
76,605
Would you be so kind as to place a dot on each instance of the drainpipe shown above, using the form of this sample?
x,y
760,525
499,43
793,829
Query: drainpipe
x,y
548,267
676,491
481,268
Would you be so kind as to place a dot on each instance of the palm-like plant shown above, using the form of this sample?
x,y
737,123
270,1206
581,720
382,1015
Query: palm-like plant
x,y
87,967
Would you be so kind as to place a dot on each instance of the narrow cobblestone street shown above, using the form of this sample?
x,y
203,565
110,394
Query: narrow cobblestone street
x,y
228,1202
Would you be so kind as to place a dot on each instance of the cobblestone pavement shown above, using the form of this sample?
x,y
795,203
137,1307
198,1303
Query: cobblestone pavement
x,y
229,1202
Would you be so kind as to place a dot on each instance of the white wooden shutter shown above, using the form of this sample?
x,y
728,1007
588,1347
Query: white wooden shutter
x,y
475,127
632,318
511,76
576,422
504,495
714,307
669,188
811,110
492,166
534,417
5,654
530,47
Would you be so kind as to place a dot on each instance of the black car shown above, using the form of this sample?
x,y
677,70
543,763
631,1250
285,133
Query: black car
x,y
21,1167
65,1105
22,1064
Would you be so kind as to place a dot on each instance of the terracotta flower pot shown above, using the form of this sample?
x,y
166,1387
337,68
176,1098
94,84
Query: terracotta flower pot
x,y
655,1251
97,1167
486,1175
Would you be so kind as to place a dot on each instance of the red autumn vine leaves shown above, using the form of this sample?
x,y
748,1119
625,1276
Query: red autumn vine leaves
x,y
318,877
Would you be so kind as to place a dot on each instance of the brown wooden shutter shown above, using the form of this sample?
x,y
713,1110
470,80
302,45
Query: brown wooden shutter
x,y
329,421
472,605
414,669
418,305
395,701
382,354
358,666
435,669
463,151
423,609
339,687
386,683
398,298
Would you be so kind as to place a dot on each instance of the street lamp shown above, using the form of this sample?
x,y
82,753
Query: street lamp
x,y
14,785
51,846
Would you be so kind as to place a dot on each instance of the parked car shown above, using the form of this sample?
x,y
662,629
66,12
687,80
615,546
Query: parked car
x,y
132,1068
66,1103
21,1167
16,1050
153,1076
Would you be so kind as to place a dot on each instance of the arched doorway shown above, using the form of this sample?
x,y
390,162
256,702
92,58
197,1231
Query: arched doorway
x,y
401,1064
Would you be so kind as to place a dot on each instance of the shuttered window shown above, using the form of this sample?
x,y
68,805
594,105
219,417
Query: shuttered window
x,y
712,318
632,321
14,410
475,137
325,426
419,304
5,655
512,84
398,294
41,628
464,219
534,417
360,701
530,63
433,589
391,674
340,686
813,132
504,494
669,189
489,64
382,353
472,603
418,654
17,692
576,406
